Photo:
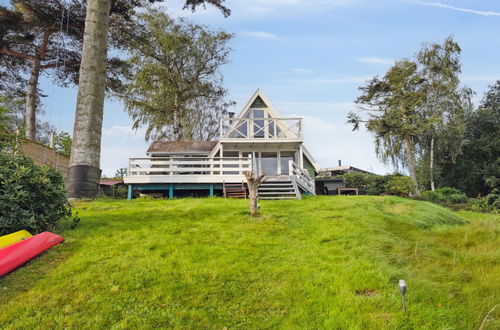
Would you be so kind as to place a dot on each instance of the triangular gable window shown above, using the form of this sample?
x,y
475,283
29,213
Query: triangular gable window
x,y
258,103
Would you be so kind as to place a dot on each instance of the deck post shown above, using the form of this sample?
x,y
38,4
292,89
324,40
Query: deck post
x,y
211,190
129,194
171,191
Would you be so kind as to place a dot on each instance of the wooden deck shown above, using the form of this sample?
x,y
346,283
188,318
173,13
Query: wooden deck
x,y
204,170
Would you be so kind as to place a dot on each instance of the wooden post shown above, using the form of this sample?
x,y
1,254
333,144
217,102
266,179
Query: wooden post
x,y
253,183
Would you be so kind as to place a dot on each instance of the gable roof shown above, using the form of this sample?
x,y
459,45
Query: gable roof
x,y
182,147
261,101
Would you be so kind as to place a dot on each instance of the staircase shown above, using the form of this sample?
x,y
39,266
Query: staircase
x,y
273,188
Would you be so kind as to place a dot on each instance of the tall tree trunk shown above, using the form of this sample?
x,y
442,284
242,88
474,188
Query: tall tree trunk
x,y
31,96
431,165
84,173
31,99
410,159
177,127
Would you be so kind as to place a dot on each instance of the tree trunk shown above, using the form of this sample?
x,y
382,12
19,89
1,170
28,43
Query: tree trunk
x,y
253,186
177,127
84,173
431,165
31,100
410,159
31,94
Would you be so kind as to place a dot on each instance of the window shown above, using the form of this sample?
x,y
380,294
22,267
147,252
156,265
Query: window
x,y
258,124
285,158
269,163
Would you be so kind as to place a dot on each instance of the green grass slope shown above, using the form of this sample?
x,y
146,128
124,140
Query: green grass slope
x,y
323,262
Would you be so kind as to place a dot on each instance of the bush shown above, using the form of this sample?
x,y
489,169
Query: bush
x,y
399,185
356,180
31,197
493,200
377,184
490,203
429,196
450,195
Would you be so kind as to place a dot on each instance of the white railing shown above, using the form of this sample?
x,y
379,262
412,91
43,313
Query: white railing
x,y
301,177
261,128
199,166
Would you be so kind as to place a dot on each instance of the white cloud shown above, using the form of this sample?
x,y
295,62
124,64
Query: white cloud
x,y
465,10
119,143
261,35
302,71
329,138
330,141
375,60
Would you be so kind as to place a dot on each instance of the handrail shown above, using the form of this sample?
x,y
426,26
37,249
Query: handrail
x,y
301,176
261,128
189,166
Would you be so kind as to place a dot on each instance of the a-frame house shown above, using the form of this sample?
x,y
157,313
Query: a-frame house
x,y
258,139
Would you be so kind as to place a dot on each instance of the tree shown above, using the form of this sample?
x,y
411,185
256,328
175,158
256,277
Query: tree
x,y
84,172
176,89
477,169
15,119
62,143
446,104
392,103
121,172
6,136
38,36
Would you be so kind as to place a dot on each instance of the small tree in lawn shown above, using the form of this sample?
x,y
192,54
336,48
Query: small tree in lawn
x,y
253,182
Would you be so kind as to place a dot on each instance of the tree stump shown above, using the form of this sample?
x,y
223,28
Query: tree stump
x,y
253,186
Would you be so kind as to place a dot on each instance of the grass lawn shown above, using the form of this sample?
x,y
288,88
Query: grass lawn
x,y
323,262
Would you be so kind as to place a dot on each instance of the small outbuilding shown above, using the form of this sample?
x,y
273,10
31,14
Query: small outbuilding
x,y
110,187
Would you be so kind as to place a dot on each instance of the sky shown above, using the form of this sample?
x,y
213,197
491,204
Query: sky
x,y
310,57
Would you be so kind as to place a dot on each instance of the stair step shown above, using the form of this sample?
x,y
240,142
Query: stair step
x,y
277,184
287,189
277,198
277,193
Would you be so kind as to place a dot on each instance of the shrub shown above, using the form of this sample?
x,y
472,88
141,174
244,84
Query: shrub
x,y
31,197
399,185
356,180
450,195
493,200
377,184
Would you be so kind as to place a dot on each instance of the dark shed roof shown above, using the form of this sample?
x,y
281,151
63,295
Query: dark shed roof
x,y
177,147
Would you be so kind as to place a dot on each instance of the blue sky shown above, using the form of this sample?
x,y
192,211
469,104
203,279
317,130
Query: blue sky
x,y
309,57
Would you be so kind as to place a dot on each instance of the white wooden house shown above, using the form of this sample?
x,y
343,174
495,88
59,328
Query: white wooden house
x,y
258,140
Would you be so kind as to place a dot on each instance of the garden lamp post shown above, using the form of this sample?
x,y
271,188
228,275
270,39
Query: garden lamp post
x,y
402,290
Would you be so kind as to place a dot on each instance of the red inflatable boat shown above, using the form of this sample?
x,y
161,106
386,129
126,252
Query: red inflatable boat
x,y
21,252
